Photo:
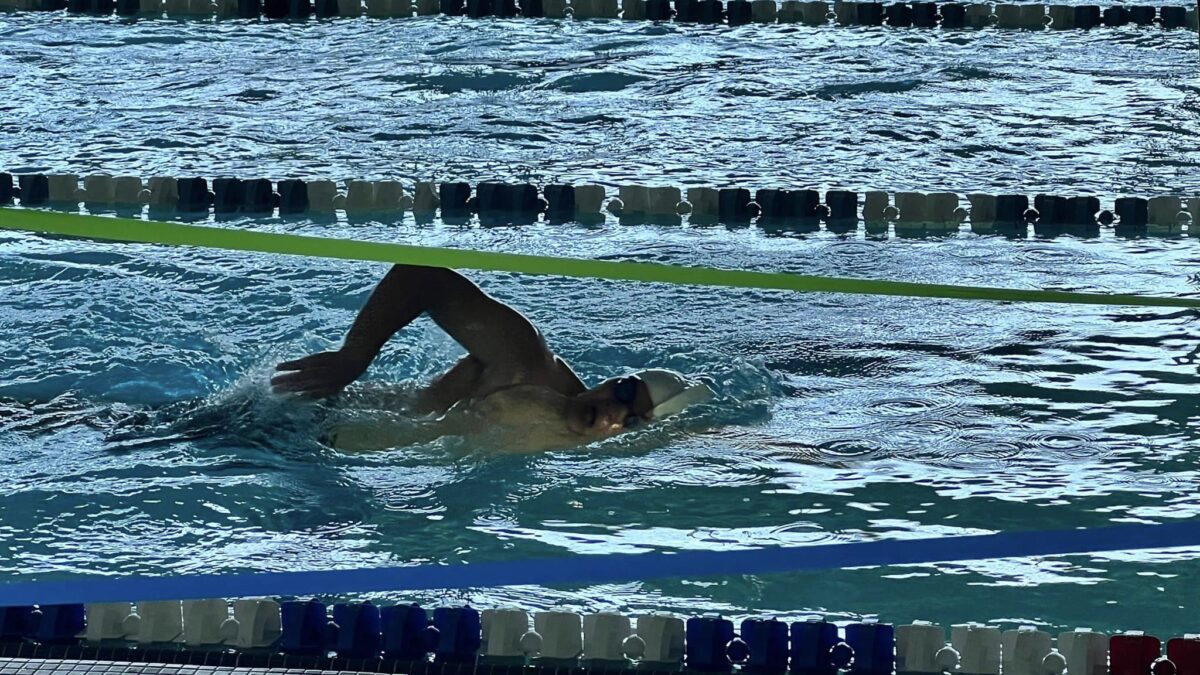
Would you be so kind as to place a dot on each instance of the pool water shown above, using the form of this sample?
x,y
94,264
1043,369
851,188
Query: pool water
x,y
138,435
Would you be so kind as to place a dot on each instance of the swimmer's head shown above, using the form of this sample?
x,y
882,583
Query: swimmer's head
x,y
671,392
621,403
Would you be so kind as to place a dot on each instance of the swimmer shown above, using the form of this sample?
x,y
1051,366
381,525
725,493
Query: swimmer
x,y
510,384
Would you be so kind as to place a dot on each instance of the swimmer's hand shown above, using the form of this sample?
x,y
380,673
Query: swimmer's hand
x,y
319,375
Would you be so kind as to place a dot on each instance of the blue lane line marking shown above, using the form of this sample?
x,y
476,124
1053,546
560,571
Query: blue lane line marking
x,y
612,568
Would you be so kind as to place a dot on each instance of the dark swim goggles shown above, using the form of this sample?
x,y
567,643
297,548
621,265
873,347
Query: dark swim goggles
x,y
625,391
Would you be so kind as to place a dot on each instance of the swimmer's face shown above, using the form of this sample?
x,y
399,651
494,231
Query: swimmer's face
x,y
609,408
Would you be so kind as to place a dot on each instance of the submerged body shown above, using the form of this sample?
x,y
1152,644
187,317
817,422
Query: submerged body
x,y
510,386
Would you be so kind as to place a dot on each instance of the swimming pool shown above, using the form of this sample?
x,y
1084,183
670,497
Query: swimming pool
x,y
138,435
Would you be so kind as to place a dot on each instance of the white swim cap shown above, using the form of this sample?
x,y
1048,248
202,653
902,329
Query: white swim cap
x,y
671,392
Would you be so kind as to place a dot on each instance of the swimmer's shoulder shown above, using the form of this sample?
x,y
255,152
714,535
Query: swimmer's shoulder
x,y
517,405
566,381
556,376
517,392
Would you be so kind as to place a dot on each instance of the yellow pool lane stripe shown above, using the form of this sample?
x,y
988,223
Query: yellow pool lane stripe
x,y
177,234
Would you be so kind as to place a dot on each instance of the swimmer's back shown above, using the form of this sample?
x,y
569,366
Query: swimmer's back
x,y
471,380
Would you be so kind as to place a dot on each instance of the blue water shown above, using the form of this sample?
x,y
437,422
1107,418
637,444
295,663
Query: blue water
x,y
138,435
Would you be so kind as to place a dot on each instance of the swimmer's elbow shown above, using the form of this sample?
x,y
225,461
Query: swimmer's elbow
x,y
439,285
430,274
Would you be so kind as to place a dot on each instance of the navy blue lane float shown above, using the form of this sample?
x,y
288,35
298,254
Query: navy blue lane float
x,y
362,630
51,624
591,569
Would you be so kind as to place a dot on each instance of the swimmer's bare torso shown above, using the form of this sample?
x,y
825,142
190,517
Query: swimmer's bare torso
x,y
510,378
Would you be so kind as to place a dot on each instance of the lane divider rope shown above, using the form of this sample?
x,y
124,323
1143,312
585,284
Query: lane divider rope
x,y
525,202
178,234
608,568
918,14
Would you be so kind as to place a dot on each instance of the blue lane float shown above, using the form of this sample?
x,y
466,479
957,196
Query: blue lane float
x,y
1011,209
738,13
560,202
17,622
1132,212
1086,17
707,641
57,624
954,15
194,196
34,189
734,205
1058,210
816,649
766,644
306,630
458,631
407,632
358,630
7,189
924,15
873,645
842,205
292,196
455,199
1173,17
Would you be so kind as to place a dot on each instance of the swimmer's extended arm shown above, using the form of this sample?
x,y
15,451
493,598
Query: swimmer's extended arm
x,y
490,330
